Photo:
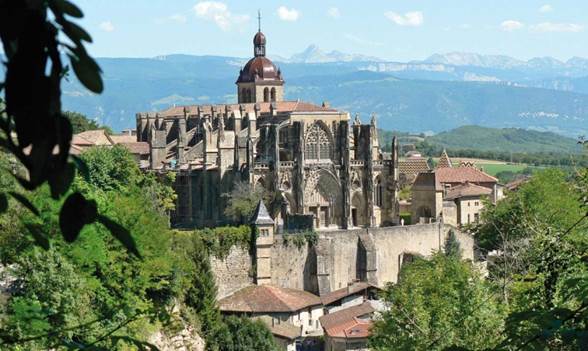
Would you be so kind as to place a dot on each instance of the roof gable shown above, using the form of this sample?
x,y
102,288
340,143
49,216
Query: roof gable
x,y
268,298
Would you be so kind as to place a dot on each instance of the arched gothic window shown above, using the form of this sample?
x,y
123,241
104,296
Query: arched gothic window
x,y
318,144
266,95
378,193
249,95
273,94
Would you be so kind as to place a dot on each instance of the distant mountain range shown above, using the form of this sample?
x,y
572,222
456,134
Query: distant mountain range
x,y
439,93
314,54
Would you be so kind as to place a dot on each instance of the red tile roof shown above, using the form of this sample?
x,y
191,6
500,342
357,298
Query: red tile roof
x,y
137,147
462,175
353,328
282,106
467,189
336,319
268,298
413,165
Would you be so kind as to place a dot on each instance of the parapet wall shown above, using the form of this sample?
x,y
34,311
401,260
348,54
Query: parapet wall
x,y
340,257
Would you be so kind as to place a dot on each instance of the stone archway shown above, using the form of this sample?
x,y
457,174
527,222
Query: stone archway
x,y
323,199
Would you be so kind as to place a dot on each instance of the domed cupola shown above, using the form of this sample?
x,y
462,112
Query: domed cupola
x,y
259,80
259,44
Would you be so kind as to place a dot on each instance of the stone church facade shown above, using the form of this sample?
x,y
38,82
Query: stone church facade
x,y
320,161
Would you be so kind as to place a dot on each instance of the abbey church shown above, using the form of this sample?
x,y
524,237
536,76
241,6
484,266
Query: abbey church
x,y
325,166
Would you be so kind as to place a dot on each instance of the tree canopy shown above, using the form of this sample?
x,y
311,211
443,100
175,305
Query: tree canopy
x,y
438,303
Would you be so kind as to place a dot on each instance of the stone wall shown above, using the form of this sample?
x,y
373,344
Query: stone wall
x,y
234,272
374,255
293,267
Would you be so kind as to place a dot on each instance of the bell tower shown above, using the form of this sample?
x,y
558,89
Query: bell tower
x,y
260,80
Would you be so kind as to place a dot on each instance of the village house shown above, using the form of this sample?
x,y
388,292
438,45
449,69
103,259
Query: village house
x,y
348,329
453,193
290,314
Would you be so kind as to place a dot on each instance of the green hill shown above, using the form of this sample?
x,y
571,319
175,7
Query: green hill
x,y
504,140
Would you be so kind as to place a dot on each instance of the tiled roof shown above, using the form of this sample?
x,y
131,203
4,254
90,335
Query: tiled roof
x,y
95,137
515,184
337,295
282,106
444,160
282,329
462,175
266,299
137,147
123,138
361,329
336,319
413,165
467,189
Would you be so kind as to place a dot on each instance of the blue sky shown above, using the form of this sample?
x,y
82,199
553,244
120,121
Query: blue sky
x,y
397,30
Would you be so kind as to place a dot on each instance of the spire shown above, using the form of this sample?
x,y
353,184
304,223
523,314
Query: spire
x,y
261,215
444,161
259,20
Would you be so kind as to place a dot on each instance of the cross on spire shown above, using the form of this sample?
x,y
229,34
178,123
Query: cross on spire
x,y
259,20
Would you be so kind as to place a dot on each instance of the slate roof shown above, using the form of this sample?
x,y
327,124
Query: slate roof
x,y
261,215
462,175
339,294
267,299
467,189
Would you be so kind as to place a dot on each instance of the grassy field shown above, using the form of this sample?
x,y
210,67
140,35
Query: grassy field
x,y
493,168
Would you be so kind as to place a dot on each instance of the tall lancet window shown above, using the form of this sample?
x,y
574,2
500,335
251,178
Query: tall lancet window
x,y
378,192
318,144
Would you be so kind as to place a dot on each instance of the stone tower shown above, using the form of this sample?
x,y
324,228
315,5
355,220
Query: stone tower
x,y
260,80
264,224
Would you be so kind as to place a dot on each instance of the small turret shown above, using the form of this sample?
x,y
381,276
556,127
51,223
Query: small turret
x,y
264,224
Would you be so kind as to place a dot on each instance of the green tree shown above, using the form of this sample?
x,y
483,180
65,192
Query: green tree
x,y
248,335
452,246
539,234
438,303
242,201
79,122
105,284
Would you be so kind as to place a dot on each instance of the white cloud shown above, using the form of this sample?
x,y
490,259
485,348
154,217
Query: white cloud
x,y
219,13
107,26
545,8
412,19
333,12
511,25
287,14
557,27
